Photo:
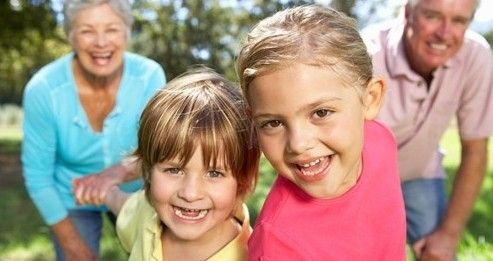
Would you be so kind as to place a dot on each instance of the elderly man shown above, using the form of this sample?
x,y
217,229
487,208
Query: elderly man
x,y
436,70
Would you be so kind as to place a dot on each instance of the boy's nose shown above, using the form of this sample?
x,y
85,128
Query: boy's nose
x,y
191,189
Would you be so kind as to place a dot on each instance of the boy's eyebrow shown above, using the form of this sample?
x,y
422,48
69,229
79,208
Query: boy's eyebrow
x,y
170,163
307,106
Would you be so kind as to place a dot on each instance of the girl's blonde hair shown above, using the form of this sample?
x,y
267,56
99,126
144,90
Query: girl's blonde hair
x,y
309,34
197,108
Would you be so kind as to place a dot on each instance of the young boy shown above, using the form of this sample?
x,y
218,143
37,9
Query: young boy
x,y
308,79
198,165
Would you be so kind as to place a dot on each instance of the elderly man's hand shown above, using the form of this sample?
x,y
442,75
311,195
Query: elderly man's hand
x,y
438,246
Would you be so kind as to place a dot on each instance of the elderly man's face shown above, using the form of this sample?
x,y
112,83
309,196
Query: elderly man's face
x,y
435,31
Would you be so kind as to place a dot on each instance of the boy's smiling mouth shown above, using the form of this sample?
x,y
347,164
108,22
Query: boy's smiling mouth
x,y
190,214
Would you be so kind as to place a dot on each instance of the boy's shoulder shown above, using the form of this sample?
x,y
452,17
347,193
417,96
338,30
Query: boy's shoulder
x,y
135,215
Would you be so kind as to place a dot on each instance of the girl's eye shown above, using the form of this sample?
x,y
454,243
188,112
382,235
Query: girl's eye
x,y
215,174
270,124
322,113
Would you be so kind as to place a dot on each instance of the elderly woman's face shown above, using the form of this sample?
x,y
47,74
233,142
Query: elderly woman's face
x,y
99,38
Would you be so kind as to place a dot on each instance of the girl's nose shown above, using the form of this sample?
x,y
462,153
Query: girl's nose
x,y
300,139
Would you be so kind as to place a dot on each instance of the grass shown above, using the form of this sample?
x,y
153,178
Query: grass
x,y
23,236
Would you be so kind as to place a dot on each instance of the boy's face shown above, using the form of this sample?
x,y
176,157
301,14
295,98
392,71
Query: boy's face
x,y
310,127
194,201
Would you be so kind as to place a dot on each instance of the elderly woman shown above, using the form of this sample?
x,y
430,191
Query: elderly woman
x,y
81,118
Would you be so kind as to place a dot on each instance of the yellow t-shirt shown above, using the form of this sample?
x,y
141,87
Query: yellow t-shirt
x,y
139,230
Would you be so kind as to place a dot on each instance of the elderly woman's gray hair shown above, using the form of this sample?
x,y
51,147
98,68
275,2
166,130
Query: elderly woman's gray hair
x,y
72,7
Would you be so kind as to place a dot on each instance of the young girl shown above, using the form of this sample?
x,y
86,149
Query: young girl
x,y
308,80
198,163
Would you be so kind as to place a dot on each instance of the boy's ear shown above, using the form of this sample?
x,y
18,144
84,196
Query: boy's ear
x,y
373,97
249,111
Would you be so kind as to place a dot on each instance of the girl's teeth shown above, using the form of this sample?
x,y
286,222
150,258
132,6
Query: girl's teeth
x,y
313,163
312,168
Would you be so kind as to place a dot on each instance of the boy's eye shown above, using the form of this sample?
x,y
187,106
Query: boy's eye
x,y
322,113
173,171
215,174
271,124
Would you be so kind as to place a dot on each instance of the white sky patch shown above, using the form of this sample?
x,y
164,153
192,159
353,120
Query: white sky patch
x,y
483,14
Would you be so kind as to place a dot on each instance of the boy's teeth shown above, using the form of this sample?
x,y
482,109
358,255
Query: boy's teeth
x,y
190,214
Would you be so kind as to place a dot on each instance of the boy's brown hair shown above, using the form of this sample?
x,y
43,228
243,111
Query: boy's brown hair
x,y
202,108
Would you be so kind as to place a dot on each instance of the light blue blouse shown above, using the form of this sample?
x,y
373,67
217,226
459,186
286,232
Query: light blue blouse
x,y
59,143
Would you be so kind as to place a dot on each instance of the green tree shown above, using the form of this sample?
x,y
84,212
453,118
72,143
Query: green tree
x,y
178,34
29,39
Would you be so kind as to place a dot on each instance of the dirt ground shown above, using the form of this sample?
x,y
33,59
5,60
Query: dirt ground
x,y
10,170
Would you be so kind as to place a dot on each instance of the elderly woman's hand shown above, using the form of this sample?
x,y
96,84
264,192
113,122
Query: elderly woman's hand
x,y
92,189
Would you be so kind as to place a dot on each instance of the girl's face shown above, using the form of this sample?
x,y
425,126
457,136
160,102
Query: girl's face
x,y
310,127
99,38
194,201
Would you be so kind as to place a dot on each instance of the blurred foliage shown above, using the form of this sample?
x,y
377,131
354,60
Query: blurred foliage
x,y
29,39
177,34
489,37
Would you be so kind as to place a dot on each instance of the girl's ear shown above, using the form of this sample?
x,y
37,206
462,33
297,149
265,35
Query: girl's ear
x,y
373,97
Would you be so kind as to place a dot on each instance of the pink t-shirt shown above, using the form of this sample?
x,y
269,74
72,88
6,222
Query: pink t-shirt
x,y
419,114
366,223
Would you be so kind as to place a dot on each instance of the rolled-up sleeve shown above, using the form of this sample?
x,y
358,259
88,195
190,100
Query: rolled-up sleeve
x,y
475,114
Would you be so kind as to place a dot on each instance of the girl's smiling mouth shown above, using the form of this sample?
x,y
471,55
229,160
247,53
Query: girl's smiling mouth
x,y
314,170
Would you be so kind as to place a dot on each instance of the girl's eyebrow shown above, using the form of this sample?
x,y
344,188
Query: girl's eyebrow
x,y
307,106
319,102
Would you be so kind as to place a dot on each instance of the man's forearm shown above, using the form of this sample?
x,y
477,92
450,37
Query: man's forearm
x,y
466,186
